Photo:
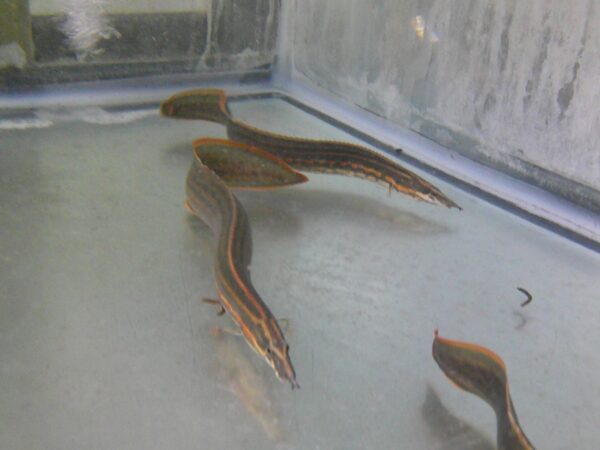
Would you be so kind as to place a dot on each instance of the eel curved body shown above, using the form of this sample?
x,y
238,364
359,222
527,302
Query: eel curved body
x,y
209,198
482,372
305,154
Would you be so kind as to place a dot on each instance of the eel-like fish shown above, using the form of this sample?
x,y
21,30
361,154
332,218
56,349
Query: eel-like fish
x,y
305,154
482,372
218,164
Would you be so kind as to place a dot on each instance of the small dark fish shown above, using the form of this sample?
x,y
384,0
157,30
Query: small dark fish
x,y
527,294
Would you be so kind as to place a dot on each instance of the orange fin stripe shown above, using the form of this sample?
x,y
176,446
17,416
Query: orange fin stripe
x,y
471,347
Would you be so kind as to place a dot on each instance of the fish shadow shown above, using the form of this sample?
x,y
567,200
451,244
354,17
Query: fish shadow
x,y
451,431
289,207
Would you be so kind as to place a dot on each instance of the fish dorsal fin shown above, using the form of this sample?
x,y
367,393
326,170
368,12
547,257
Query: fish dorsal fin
x,y
202,104
244,166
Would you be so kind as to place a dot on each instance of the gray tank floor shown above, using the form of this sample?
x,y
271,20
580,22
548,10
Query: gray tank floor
x,y
104,342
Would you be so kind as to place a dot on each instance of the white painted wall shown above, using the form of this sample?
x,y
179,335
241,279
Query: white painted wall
x,y
507,82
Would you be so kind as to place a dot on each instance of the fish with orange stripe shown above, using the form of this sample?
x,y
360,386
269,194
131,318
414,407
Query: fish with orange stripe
x,y
310,155
482,372
219,164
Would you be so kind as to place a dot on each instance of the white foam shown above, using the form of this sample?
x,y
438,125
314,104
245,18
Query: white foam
x,y
45,118
24,124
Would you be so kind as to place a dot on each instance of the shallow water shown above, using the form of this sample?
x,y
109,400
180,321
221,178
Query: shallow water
x,y
104,342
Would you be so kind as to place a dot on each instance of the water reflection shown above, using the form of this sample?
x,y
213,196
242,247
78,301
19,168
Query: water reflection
x,y
250,388
423,31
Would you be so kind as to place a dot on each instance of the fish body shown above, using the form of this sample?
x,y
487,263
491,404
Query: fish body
x,y
305,154
209,198
482,372
340,158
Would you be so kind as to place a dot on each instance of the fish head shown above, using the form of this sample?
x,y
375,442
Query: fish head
x,y
278,357
430,194
268,341
271,345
